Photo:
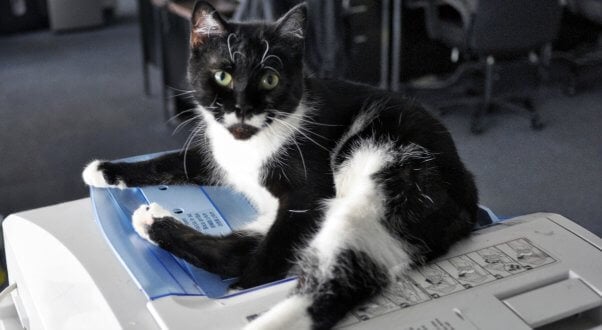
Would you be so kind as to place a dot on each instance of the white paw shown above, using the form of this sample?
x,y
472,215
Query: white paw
x,y
93,177
288,314
145,216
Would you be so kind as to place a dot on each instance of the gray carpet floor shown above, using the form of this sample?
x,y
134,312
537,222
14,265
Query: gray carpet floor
x,y
66,99
558,169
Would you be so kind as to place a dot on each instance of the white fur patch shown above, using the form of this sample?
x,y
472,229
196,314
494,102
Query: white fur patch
x,y
145,216
230,119
289,314
256,120
242,161
359,123
352,219
354,174
92,176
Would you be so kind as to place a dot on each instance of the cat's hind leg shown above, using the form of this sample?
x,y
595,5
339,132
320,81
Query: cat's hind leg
x,y
353,256
224,255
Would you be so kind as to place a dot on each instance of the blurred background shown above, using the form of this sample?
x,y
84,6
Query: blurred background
x,y
517,82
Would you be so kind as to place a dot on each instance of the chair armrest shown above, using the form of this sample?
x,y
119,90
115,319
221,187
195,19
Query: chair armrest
x,y
465,8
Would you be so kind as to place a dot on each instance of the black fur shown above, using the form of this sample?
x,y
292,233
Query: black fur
x,y
429,196
356,279
227,255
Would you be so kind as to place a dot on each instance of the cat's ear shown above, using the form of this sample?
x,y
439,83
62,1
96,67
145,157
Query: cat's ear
x,y
292,24
206,22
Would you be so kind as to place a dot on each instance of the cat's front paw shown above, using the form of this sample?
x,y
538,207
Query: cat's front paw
x,y
144,217
95,175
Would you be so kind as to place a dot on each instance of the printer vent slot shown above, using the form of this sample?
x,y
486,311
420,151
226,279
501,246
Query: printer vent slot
x,y
587,320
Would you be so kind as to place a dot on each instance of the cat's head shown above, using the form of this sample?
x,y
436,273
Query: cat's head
x,y
246,75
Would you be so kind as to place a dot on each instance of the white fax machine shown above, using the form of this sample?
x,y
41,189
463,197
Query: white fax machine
x,y
539,271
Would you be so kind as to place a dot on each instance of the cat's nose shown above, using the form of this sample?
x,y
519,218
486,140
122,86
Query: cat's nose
x,y
241,111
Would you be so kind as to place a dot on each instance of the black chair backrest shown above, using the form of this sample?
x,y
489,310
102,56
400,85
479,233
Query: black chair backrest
x,y
513,26
590,9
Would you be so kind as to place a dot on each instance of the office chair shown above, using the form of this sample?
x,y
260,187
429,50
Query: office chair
x,y
485,31
588,55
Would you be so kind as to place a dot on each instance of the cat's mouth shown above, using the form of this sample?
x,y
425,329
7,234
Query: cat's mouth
x,y
242,131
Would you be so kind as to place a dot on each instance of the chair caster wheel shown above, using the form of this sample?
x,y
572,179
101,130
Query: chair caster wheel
x,y
537,124
476,128
570,91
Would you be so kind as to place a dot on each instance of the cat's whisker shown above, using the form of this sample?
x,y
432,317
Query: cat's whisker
x,y
212,104
302,158
292,115
187,93
185,122
277,161
292,127
190,135
306,130
179,114
180,90
187,144
304,118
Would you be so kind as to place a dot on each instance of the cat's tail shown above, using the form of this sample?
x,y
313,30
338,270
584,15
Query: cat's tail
x,y
354,255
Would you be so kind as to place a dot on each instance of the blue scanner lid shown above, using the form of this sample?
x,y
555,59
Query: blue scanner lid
x,y
211,210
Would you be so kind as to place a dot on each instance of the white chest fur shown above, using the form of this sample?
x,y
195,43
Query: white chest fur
x,y
243,161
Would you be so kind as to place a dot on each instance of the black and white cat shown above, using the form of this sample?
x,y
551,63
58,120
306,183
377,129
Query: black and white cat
x,y
352,184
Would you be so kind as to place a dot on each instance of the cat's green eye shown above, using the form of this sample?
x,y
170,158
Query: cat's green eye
x,y
269,81
223,78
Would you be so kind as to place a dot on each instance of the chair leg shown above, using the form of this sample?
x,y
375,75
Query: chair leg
x,y
571,87
543,65
146,82
476,124
536,123
476,121
162,31
165,96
